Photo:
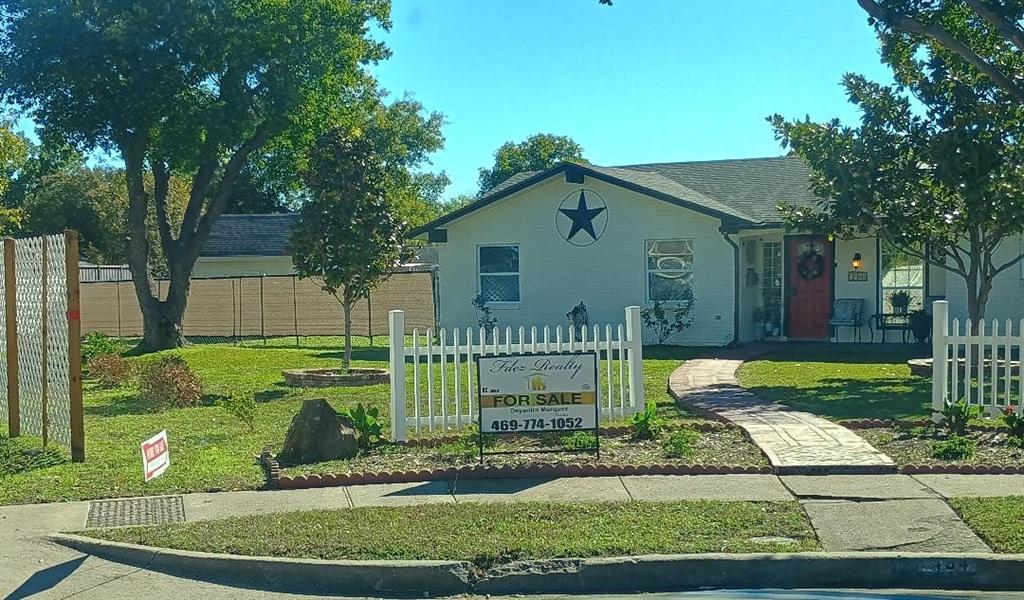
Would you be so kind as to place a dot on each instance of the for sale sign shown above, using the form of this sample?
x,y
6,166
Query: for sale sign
x,y
538,392
156,456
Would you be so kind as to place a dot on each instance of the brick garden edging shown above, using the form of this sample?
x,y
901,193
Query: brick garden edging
x,y
882,423
275,480
289,482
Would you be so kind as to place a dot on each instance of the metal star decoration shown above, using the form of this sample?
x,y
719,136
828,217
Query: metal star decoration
x,y
582,217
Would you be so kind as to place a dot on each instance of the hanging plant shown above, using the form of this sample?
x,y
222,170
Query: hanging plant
x,y
811,265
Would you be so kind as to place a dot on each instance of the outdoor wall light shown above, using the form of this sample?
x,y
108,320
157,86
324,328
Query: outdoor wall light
x,y
857,261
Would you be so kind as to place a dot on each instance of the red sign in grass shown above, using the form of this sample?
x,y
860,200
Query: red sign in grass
x,y
156,456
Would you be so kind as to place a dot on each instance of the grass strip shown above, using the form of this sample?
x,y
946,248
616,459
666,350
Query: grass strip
x,y
491,533
998,521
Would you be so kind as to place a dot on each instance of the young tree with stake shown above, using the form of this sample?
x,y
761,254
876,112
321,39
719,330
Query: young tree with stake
x,y
348,236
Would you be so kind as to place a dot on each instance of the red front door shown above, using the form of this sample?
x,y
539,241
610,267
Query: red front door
x,y
809,278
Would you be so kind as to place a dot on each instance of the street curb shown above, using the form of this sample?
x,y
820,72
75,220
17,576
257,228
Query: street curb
x,y
379,578
653,573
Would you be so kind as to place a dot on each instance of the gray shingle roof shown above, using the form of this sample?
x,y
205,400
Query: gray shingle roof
x,y
743,192
657,182
754,186
251,235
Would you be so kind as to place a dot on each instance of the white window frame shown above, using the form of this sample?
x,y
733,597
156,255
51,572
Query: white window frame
x,y
884,292
648,270
480,275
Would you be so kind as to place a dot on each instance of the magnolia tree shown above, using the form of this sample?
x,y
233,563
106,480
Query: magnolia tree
x,y
936,165
348,236
986,34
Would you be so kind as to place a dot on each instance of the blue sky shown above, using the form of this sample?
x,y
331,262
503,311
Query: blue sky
x,y
640,81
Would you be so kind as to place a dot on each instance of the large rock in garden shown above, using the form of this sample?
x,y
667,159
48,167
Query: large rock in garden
x,y
318,433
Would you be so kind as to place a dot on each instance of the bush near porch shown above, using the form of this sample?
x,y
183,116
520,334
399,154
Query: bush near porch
x,y
842,384
211,449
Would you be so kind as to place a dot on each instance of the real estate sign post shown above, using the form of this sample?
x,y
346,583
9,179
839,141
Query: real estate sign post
x,y
535,393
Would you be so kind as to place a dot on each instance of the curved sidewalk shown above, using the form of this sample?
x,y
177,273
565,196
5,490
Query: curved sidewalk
x,y
796,443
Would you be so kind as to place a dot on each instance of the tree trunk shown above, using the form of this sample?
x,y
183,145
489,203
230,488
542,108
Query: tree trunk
x,y
346,362
161,329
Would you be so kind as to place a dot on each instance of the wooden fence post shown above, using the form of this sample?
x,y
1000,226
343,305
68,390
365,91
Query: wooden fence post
x,y
74,317
940,356
635,360
396,337
295,312
11,313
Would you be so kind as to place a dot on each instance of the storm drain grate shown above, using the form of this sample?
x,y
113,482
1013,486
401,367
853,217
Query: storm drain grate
x,y
136,511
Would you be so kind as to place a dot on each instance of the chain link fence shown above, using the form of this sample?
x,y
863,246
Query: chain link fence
x,y
269,307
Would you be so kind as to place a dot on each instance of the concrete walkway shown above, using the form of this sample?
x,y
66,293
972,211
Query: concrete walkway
x,y
796,443
847,513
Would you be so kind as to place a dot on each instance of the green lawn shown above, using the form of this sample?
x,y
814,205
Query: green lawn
x,y
210,449
489,533
841,384
999,521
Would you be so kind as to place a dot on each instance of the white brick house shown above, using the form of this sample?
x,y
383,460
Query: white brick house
x,y
642,233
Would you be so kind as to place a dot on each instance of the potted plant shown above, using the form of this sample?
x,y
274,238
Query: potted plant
x,y
921,325
900,301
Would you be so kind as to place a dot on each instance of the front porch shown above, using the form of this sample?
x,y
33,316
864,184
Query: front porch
x,y
788,284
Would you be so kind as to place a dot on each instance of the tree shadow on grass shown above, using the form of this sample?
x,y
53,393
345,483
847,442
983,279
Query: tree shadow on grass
x,y
846,398
270,395
126,405
375,353
894,356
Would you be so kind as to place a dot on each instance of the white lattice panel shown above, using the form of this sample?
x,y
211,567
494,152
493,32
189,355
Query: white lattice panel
x,y
28,271
57,344
28,268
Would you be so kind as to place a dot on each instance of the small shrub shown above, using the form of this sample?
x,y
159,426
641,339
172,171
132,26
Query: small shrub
x,y
242,406
646,424
484,317
680,443
168,381
366,423
1015,441
916,433
1013,416
666,322
957,447
109,370
468,445
579,440
96,344
956,415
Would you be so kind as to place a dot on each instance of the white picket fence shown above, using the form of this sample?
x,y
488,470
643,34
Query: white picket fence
x,y
981,365
443,379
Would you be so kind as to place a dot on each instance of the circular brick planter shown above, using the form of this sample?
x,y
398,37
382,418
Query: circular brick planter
x,y
334,377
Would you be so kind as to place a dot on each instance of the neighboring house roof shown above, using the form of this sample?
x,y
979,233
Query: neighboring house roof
x,y
741,192
251,235
425,255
